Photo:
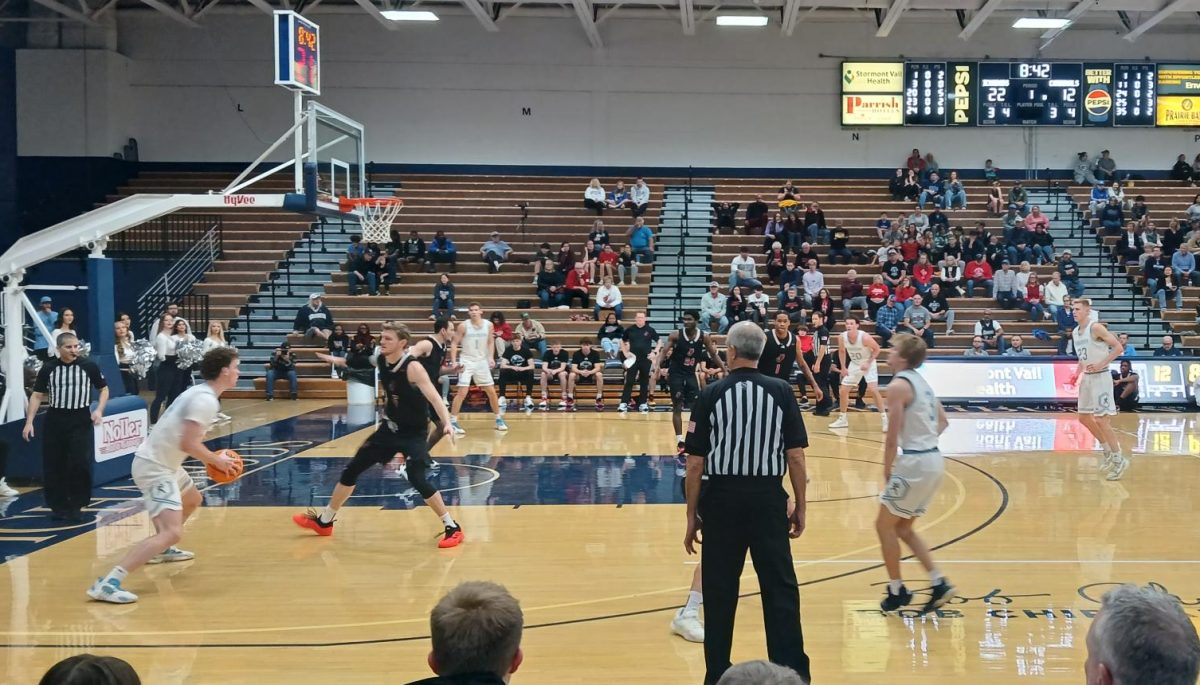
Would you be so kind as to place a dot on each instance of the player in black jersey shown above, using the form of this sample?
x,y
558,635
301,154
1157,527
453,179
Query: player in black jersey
x,y
587,369
431,351
779,354
402,434
683,350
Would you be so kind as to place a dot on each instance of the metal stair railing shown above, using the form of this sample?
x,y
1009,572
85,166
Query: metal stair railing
x,y
176,283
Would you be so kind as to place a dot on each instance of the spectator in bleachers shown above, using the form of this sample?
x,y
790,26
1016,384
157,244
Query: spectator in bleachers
x,y
713,308
726,216
918,220
338,344
977,348
1106,167
640,197
793,233
813,281
1004,286
49,319
839,243
915,162
1054,294
1070,273
990,172
1098,198
89,669
599,234
1168,286
476,635
904,292
923,274
743,271
516,367
641,239
791,302
609,336
443,299
917,320
852,294
1130,245
978,273
814,224
932,190
776,229
990,331
1129,349
555,368
591,254
776,262
1196,167
1012,222
1184,264
790,275
1140,211
608,296
618,197
896,185
501,330
877,296
995,199
540,259
1125,386
955,191
806,254
824,304
1016,348
1018,196
1036,219
1151,236
314,321
441,250
1043,246
756,216
1168,349
1174,237
627,262
360,269
412,250
532,332
758,305
1116,191
1065,324
282,363
606,262
1034,300
912,186
788,198
1154,268
953,248
586,369
1083,170
887,319
910,248
1193,210
1023,273
735,306
996,252
551,283
939,308
565,258
883,228
495,252
931,167
594,197
951,277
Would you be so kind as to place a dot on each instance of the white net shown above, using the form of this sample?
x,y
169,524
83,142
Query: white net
x,y
376,219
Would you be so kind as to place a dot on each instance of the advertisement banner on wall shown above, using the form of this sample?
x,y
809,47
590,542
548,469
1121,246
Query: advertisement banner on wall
x,y
873,77
872,110
120,434
1175,110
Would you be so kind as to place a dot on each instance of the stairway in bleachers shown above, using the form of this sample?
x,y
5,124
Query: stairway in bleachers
x,y
684,242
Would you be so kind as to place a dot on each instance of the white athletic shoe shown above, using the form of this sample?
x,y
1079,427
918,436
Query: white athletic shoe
x,y
644,408
528,403
458,430
6,491
840,422
623,407
1119,467
500,425
171,554
1109,459
502,403
111,592
885,423
687,625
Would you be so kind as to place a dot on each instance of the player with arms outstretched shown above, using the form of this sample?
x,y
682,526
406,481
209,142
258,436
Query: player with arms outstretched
x,y
912,470
170,495
1096,348
478,347
404,434
684,350
862,351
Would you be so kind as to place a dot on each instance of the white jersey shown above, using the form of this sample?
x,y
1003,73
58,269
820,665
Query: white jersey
x,y
198,403
856,352
475,340
920,430
1087,348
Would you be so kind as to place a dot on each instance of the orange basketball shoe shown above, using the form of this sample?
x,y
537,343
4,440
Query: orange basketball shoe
x,y
312,521
453,537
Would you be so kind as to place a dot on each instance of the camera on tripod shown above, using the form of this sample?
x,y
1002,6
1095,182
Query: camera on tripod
x,y
524,207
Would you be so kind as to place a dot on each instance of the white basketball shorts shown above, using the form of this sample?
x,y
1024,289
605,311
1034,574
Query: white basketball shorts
x,y
475,370
914,482
854,374
161,487
1096,394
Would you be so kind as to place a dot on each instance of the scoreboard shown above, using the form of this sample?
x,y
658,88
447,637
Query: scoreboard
x,y
1023,93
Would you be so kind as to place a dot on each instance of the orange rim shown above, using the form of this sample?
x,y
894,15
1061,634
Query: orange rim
x,y
348,204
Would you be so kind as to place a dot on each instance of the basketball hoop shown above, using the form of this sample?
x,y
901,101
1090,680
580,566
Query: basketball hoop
x,y
375,214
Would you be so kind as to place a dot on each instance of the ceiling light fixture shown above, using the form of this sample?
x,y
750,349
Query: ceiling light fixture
x,y
1040,23
741,20
409,15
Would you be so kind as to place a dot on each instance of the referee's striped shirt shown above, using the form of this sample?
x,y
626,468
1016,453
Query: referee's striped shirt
x,y
69,386
743,424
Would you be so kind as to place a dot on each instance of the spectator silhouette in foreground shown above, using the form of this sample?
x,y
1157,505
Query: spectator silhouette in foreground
x,y
89,669
476,635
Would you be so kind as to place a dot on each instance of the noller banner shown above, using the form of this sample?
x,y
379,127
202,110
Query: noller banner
x,y
872,110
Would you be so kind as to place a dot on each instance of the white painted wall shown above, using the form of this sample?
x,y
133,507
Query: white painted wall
x,y
73,103
452,93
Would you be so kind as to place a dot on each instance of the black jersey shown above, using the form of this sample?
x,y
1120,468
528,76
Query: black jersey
x,y
433,361
686,354
778,357
400,397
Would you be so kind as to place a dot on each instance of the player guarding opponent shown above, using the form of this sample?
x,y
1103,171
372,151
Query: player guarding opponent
x,y
477,361
170,495
431,350
684,350
912,476
780,354
1096,348
863,351
402,434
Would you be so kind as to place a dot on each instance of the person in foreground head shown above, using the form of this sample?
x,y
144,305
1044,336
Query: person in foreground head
x,y
1141,636
89,669
760,672
476,635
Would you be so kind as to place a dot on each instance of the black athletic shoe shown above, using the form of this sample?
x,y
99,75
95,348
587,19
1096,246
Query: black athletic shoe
x,y
860,404
894,601
941,592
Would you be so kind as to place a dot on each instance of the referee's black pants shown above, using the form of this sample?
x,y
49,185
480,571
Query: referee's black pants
x,y
823,377
67,460
739,514
638,373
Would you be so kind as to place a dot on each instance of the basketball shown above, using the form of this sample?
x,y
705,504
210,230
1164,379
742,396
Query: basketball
x,y
224,478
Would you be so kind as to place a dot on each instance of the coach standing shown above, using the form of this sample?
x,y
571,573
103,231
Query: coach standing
x,y
745,433
67,446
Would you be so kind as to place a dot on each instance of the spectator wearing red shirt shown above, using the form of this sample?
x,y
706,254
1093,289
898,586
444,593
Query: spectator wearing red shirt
x,y
922,275
502,331
978,272
852,294
909,249
1033,299
904,293
877,295
915,162
577,286
607,262
1036,219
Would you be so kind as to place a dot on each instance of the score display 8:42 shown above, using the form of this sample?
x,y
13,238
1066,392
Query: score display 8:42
x,y
1030,93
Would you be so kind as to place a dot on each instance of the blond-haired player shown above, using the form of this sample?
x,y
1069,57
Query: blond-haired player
x,y
1097,347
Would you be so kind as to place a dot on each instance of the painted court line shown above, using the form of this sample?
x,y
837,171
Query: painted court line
x,y
995,561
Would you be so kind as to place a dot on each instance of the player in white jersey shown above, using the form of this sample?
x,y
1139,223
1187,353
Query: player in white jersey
x,y
912,471
478,347
862,351
170,495
1096,348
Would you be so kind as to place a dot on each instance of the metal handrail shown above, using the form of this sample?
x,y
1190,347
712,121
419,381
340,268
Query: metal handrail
x,y
178,281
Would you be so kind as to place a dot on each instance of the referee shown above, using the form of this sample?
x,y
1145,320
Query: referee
x,y
745,433
67,448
